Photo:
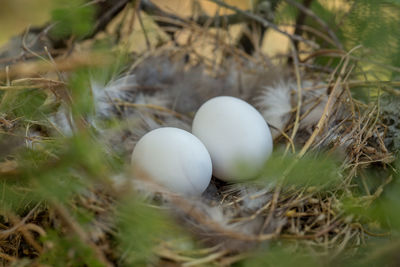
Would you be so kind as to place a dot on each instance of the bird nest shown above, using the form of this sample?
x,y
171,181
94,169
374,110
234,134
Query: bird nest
x,y
325,140
324,123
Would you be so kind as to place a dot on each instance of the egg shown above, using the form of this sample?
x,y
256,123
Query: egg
x,y
175,159
236,136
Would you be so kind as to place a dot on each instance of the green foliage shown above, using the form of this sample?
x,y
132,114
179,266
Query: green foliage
x,y
285,13
24,103
383,209
312,170
81,82
105,74
82,104
141,228
280,256
15,198
68,251
46,178
59,169
72,18
374,24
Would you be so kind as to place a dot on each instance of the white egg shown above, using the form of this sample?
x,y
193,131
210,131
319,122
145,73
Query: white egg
x,y
236,136
175,159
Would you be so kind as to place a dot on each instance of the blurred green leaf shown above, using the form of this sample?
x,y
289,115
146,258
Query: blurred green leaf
x,y
72,18
67,251
24,103
79,84
313,169
280,255
141,228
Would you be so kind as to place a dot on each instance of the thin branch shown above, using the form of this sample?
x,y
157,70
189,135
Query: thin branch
x,y
323,24
328,106
80,232
215,22
300,19
296,126
108,10
4,234
265,23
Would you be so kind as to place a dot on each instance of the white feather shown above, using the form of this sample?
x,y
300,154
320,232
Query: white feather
x,y
275,105
314,102
158,99
62,121
105,96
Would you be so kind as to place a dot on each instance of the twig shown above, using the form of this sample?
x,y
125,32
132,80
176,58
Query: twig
x,y
328,107
33,83
7,257
299,94
6,233
207,259
214,226
8,75
27,49
53,63
81,233
323,24
146,37
274,202
215,22
25,69
26,234
300,19
265,23
151,106
108,10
